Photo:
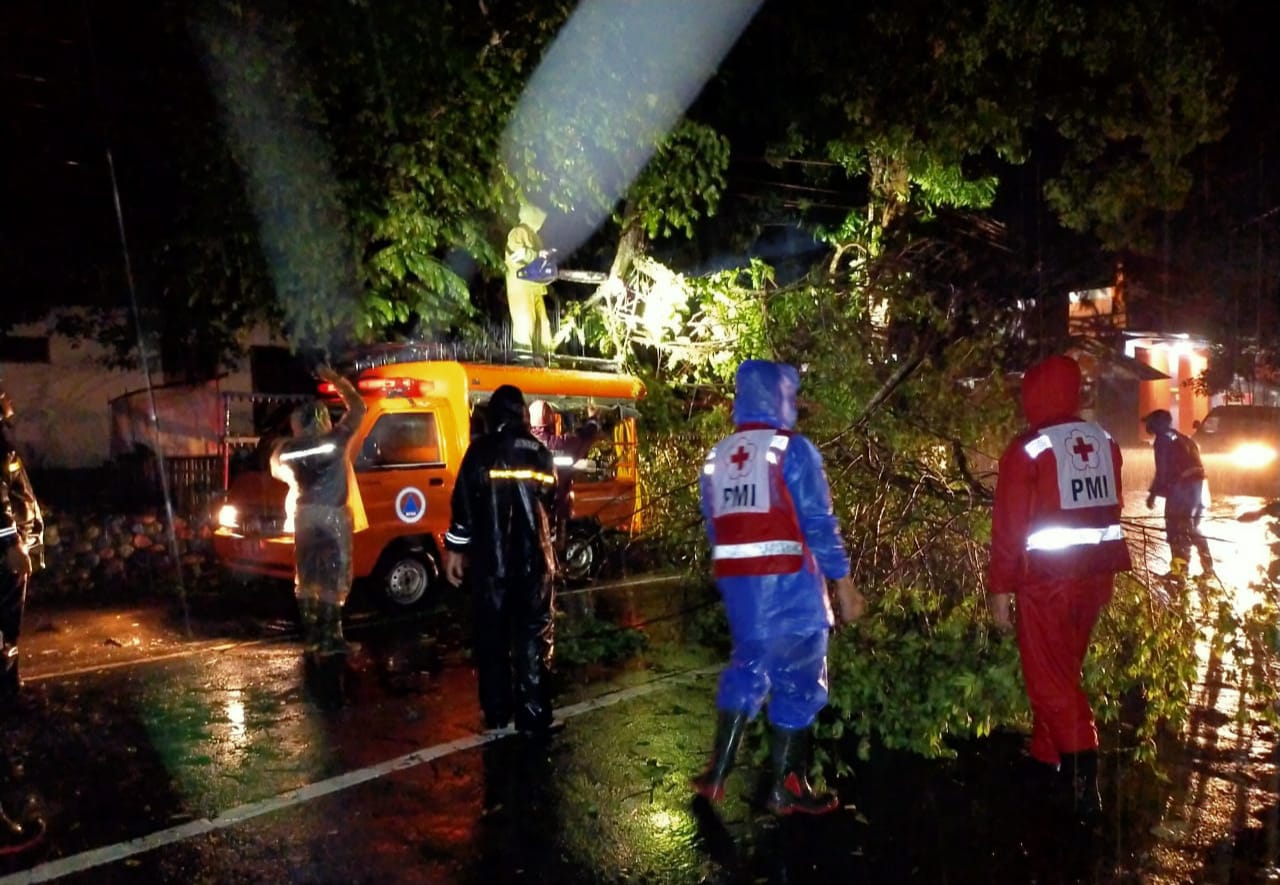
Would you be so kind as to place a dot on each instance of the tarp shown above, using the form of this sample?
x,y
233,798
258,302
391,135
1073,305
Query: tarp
x,y
190,420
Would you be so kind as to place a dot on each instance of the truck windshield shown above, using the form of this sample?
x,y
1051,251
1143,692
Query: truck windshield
x,y
401,440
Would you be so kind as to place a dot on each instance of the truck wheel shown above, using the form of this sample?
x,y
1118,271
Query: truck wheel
x,y
405,579
583,553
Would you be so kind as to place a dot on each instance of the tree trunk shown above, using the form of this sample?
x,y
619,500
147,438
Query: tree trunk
x,y
630,244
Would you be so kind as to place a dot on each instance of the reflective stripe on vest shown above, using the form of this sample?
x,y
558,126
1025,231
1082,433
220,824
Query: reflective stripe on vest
x,y
322,449
11,530
1037,446
1061,538
522,474
757,548
754,519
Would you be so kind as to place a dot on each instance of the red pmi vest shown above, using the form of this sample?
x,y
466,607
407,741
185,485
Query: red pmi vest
x,y
1075,523
753,517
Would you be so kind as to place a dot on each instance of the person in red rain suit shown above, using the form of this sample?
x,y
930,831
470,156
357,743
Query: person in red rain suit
x,y
1057,544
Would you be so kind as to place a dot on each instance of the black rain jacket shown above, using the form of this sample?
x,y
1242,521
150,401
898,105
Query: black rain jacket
x,y
503,504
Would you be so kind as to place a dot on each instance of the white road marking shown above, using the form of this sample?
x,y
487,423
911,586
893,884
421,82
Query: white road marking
x,y
359,621
187,652
87,860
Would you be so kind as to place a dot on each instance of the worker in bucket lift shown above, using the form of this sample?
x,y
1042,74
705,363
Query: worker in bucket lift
x,y
1180,480
1056,546
325,504
529,269
774,544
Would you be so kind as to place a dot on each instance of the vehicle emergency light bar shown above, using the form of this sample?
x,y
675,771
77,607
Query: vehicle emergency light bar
x,y
410,387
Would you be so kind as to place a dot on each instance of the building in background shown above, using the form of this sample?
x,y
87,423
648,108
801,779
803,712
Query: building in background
x,y
1182,359
78,413
1131,373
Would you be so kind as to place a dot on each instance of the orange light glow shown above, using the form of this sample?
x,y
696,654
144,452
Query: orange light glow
x,y
412,387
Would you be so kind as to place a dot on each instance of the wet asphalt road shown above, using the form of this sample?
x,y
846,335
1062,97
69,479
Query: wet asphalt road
x,y
217,767
210,750
170,748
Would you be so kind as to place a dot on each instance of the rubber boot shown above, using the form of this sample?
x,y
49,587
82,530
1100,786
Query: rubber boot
x,y
308,620
791,793
1038,778
329,630
729,730
1080,771
308,616
327,658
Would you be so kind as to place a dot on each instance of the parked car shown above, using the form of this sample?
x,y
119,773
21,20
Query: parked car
x,y
1240,446
1250,433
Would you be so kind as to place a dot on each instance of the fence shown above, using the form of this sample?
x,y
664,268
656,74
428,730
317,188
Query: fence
x,y
132,483
193,482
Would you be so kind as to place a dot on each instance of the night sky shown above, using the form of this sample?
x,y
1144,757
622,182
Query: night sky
x,y
56,195
77,77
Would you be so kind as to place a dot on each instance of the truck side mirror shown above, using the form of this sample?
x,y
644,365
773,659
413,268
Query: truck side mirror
x,y
369,453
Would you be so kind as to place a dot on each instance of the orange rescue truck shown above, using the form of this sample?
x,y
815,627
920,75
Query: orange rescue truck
x,y
406,452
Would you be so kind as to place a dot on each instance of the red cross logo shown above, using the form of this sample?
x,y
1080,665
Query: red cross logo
x,y
740,460
1084,451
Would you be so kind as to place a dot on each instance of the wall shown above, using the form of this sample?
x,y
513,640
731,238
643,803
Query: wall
x,y
1182,359
64,419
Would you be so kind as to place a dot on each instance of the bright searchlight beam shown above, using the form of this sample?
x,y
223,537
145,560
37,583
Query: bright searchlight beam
x,y
615,81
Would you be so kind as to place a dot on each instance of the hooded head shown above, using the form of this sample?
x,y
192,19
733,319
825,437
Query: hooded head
x,y
541,414
505,406
310,419
1051,391
1158,422
765,393
532,216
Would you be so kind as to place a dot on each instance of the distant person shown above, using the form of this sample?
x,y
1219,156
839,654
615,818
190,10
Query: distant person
x,y
566,450
21,538
527,276
775,543
1056,546
1180,480
500,534
315,463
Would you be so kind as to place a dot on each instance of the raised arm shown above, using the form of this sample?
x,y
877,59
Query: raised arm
x,y
350,396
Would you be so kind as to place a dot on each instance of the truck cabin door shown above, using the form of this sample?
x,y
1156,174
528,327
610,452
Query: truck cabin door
x,y
401,469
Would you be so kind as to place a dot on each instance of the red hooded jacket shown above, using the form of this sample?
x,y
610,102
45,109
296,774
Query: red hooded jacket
x,y
1058,496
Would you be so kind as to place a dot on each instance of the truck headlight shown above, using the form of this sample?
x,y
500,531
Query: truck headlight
x,y
228,517
1253,455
